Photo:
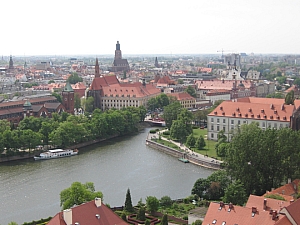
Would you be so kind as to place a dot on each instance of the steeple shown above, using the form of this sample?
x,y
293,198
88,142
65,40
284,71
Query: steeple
x,y
11,63
118,52
97,71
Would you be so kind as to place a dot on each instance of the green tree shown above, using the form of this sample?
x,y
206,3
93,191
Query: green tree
x,y
142,111
74,78
178,130
164,220
51,81
297,82
289,98
128,204
200,142
77,101
191,91
12,223
235,193
165,201
141,215
281,80
77,194
152,204
197,222
57,96
180,81
162,100
221,149
89,104
275,95
171,113
152,104
190,141
124,217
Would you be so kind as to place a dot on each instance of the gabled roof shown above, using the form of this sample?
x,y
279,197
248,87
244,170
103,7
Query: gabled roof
x,y
86,213
287,189
68,88
292,211
182,96
103,81
255,110
267,204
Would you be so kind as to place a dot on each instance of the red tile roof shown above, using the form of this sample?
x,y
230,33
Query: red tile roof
x,y
256,110
182,96
219,84
270,204
287,189
86,214
237,215
103,81
293,211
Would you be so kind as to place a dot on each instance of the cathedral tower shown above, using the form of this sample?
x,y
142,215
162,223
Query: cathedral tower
x,y
68,98
97,70
118,52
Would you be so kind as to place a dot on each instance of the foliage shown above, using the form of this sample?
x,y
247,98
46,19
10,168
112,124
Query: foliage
x,y
152,131
289,98
275,196
77,194
197,222
51,81
147,222
165,201
74,78
191,141
152,204
124,217
128,203
178,130
235,193
179,81
191,91
297,82
171,113
263,159
164,220
57,96
200,143
281,80
159,101
77,101
275,95
213,187
89,104
141,214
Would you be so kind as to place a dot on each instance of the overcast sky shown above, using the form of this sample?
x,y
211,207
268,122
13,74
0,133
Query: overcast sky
x,y
60,27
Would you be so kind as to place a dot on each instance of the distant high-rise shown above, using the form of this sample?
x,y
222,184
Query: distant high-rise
x,y
119,64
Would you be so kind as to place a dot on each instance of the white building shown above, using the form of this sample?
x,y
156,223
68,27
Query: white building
x,y
267,112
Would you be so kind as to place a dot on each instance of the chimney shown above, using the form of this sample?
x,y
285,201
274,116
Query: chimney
x,y
254,209
98,202
274,214
221,204
265,204
291,201
67,215
230,205
289,180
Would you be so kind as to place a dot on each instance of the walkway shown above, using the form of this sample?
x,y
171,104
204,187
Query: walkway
x,y
186,149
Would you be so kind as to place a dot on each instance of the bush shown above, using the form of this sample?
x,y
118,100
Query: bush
x,y
166,132
152,131
185,217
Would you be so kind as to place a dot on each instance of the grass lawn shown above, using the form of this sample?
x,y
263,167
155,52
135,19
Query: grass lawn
x,y
167,143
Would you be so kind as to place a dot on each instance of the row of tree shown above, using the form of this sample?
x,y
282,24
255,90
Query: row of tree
x,y
66,130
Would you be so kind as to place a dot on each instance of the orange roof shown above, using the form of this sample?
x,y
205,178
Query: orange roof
x,y
237,215
267,204
79,85
182,96
86,213
255,110
293,211
103,81
288,189
220,84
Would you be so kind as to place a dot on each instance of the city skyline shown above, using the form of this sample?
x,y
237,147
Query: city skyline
x,y
166,27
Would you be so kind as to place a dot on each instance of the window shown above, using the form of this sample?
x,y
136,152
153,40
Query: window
x,y
232,127
212,135
286,125
280,126
232,121
218,128
275,125
212,120
224,121
218,120
224,128
239,122
263,124
212,127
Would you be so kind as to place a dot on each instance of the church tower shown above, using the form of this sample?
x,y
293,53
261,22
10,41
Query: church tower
x,y
97,70
11,64
118,52
68,98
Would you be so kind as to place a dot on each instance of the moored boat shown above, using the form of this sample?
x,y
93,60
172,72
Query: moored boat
x,y
56,153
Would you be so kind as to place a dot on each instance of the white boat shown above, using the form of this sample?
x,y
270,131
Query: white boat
x,y
56,153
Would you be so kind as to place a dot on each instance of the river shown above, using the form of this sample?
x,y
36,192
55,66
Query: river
x,y
30,189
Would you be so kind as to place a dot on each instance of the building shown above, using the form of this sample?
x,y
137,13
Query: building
x,y
68,98
216,95
185,99
93,212
109,93
267,112
258,210
119,64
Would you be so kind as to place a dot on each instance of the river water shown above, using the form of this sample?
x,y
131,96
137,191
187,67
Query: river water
x,y
29,190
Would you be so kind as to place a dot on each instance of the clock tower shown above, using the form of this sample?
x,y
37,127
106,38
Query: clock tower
x,y
118,52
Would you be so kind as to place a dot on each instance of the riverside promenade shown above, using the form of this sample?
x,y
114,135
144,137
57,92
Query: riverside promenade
x,y
185,152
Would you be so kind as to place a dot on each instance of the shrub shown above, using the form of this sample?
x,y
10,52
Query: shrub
x,y
166,132
152,131
185,217
275,196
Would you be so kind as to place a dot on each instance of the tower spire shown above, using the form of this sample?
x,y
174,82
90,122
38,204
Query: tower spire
x,y
97,71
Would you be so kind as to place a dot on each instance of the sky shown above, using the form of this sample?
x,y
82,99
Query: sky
x,y
77,27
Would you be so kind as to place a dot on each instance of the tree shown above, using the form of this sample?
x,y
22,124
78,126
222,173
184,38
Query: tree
x,y
152,204
190,142
165,201
128,204
89,104
124,217
51,81
171,112
12,223
222,149
162,100
289,98
142,111
191,91
141,214
281,80
297,82
200,142
178,130
197,222
179,81
74,78
77,194
77,101
57,96
275,95
235,193
164,220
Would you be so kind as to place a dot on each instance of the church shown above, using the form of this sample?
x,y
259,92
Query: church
x,y
119,64
109,93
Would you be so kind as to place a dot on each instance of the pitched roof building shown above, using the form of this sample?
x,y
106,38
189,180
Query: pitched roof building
x,y
109,93
267,112
93,212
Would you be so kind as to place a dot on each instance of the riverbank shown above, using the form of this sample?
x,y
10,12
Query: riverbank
x,y
192,158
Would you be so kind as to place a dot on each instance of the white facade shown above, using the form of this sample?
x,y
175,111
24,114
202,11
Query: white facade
x,y
214,98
